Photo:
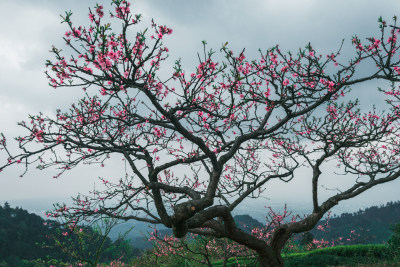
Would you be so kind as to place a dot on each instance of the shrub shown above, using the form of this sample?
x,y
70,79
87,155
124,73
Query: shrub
x,y
394,241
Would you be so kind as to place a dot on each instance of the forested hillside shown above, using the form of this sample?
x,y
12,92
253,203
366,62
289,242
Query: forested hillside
x,y
22,235
370,226
26,237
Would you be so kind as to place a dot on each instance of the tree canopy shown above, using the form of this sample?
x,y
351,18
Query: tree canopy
x,y
231,126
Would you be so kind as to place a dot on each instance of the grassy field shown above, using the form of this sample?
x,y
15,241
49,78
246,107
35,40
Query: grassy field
x,y
355,255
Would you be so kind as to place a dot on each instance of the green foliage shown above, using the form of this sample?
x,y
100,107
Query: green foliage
x,y
303,242
340,255
306,239
320,261
394,241
233,262
376,251
83,244
150,259
332,256
22,235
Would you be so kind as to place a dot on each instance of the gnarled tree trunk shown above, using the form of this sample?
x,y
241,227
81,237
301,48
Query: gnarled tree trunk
x,y
268,258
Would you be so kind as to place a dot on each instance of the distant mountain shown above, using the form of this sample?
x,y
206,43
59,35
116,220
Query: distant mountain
x,y
137,233
247,223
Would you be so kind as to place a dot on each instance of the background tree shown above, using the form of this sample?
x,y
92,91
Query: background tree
x,y
203,250
394,240
89,244
306,240
230,127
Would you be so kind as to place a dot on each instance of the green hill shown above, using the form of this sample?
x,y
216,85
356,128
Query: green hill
x,y
370,226
24,239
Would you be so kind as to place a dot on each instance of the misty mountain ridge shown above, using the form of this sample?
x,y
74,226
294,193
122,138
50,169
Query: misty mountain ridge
x,y
371,225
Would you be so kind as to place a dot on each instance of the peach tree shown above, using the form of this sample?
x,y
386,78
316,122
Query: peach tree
x,y
198,143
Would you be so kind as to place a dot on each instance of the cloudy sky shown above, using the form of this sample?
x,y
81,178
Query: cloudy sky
x,y
29,28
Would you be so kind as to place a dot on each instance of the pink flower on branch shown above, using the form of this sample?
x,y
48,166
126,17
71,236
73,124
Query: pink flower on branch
x,y
230,128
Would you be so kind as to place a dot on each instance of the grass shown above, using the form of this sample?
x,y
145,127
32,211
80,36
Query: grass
x,y
354,255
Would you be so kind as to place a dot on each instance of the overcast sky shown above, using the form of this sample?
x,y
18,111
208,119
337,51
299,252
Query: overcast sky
x,y
29,28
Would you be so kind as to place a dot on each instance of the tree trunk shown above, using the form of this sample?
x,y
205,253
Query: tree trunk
x,y
270,260
271,257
